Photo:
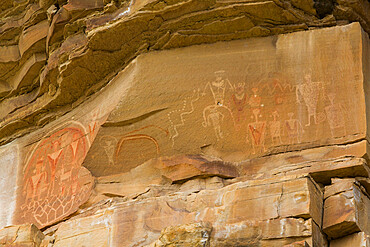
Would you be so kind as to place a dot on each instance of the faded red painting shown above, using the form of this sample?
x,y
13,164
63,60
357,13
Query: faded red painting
x,y
54,183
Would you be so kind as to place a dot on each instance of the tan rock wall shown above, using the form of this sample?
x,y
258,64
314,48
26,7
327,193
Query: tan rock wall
x,y
190,106
238,100
9,163
258,142
108,35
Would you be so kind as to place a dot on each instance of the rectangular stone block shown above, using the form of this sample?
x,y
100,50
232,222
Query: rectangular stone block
x,y
346,211
340,215
338,186
302,198
365,61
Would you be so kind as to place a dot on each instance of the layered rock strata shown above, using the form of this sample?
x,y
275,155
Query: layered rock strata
x,y
252,142
48,45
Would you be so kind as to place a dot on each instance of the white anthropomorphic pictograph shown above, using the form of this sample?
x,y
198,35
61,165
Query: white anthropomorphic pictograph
x,y
213,117
310,92
293,129
218,87
275,129
335,116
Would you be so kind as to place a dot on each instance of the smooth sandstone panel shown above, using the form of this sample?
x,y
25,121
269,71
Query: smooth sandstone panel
x,y
9,163
238,100
9,53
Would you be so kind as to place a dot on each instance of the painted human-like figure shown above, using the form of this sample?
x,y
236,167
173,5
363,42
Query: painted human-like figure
x,y
293,129
255,100
257,131
37,183
51,178
239,100
218,87
108,143
53,159
212,116
335,116
275,129
310,92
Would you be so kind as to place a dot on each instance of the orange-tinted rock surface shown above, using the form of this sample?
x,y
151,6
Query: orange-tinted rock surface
x,y
265,105
234,211
184,123
107,35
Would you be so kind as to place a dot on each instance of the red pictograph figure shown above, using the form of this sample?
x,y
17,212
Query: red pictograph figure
x,y
255,100
52,187
257,131
53,159
239,100
94,124
92,129
36,183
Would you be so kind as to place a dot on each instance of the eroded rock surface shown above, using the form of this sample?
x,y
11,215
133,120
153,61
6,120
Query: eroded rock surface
x,y
22,235
184,123
48,46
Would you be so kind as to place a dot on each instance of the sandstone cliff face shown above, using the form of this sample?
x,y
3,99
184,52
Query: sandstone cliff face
x,y
184,123
48,46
